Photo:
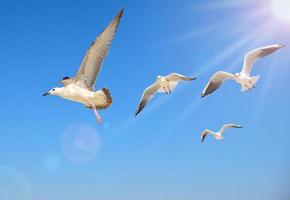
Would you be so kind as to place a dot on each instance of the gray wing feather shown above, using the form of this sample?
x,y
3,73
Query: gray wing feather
x,y
216,81
178,77
227,126
147,96
204,134
251,57
95,55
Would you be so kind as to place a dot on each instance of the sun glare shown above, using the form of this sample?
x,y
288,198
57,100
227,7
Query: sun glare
x,y
281,10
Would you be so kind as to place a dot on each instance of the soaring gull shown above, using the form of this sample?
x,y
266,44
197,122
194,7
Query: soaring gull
x,y
81,87
243,78
163,84
218,135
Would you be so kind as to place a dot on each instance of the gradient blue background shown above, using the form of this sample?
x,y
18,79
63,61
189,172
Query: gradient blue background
x,y
157,155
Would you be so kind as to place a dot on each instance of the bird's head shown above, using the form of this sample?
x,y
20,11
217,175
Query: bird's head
x,y
53,91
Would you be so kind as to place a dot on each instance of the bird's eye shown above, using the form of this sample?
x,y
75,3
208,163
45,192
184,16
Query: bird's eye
x,y
53,89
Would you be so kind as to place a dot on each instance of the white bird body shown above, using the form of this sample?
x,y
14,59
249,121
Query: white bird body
x,y
166,86
163,84
78,94
243,78
218,135
246,82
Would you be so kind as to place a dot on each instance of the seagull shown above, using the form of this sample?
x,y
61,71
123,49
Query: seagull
x,y
81,87
243,78
163,84
218,135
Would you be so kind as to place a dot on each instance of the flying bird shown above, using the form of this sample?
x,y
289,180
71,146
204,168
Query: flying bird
x,y
163,84
243,78
81,87
218,135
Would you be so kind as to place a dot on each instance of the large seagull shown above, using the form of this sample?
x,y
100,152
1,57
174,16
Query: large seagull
x,y
81,87
243,78
163,84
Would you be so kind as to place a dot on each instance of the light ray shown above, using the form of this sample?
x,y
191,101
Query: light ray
x,y
230,50
192,106
225,4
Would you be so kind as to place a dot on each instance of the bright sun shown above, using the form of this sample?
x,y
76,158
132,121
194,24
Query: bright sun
x,y
281,9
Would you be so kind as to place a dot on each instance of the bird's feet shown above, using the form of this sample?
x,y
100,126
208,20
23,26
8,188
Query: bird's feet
x,y
252,86
99,118
165,90
169,91
249,88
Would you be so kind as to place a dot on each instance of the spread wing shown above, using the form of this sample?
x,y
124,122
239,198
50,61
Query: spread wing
x,y
178,77
216,81
147,96
251,57
204,134
227,126
95,55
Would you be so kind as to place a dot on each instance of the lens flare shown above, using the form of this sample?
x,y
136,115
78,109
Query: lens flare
x,y
281,10
13,185
80,143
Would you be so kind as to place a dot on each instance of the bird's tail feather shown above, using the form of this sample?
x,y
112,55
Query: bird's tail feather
x,y
103,99
254,80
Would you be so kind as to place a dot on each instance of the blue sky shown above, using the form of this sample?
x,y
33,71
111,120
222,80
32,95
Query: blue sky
x,y
157,155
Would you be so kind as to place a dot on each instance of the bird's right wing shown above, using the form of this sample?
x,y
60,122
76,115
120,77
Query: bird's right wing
x,y
204,134
147,95
216,81
178,77
251,57
226,126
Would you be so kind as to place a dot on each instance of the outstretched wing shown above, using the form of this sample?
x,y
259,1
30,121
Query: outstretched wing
x,y
216,81
95,55
204,134
251,57
178,77
147,95
226,126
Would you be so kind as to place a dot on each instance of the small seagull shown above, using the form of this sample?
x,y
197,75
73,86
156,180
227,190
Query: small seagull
x,y
163,84
218,135
243,78
81,87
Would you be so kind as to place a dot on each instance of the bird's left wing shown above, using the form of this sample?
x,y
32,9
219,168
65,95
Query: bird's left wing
x,y
226,126
95,55
147,95
251,57
204,134
178,77
216,81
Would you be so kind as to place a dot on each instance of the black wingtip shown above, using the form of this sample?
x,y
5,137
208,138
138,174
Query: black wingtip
x,y
121,12
281,45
